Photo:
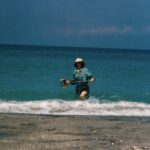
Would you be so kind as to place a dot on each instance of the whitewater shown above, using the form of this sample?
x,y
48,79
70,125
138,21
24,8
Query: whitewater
x,y
92,106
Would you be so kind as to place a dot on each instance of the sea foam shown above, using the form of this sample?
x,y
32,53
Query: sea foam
x,y
78,107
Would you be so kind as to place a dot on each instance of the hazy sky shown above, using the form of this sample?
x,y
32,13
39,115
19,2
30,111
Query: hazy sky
x,y
89,23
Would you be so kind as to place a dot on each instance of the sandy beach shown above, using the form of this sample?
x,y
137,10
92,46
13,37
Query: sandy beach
x,y
46,132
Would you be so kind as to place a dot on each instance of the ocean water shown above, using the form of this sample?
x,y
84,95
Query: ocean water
x,y
29,81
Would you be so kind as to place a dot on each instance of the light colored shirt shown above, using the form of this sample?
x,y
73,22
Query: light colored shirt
x,y
82,75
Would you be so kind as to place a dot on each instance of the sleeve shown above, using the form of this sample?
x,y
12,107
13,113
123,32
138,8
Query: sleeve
x,y
89,75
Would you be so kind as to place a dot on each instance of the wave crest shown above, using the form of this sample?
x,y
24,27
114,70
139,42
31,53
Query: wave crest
x,y
89,107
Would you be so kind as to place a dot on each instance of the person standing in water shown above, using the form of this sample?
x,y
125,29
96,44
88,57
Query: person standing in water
x,y
81,78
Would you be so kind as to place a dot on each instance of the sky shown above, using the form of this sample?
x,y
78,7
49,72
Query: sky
x,y
81,23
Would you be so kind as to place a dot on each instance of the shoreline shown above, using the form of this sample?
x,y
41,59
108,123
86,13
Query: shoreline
x,y
68,132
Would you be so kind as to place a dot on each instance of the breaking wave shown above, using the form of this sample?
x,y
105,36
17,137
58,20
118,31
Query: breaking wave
x,y
89,107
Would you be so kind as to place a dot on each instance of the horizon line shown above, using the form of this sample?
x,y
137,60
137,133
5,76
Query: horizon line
x,y
84,47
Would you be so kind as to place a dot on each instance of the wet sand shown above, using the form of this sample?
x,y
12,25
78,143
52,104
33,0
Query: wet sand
x,y
47,132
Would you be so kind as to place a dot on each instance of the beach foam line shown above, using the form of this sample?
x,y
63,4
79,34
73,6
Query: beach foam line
x,y
89,107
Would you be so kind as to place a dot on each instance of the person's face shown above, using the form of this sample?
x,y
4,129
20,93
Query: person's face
x,y
79,65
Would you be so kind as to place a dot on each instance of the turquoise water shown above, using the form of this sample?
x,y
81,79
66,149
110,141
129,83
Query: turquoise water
x,y
31,75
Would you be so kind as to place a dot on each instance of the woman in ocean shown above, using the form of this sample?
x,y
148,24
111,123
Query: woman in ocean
x,y
81,77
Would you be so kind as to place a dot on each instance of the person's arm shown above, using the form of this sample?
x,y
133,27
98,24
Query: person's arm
x,y
74,81
90,76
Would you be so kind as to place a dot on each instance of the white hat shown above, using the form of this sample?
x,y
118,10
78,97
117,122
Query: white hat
x,y
79,60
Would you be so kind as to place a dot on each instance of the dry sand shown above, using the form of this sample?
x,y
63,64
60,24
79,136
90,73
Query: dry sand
x,y
41,132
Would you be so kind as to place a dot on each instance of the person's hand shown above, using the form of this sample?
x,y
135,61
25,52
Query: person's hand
x,y
67,81
92,79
